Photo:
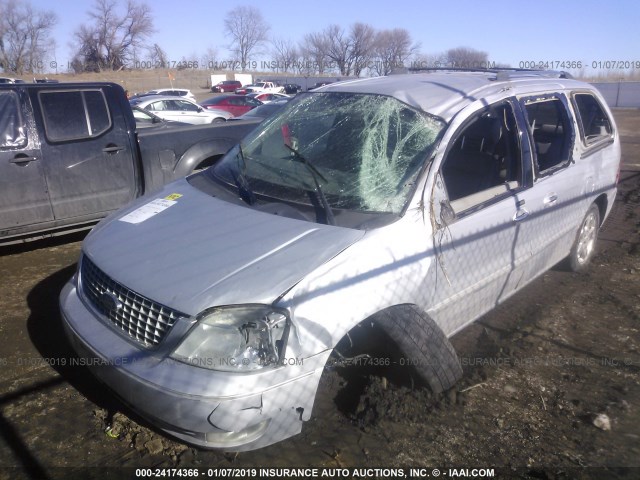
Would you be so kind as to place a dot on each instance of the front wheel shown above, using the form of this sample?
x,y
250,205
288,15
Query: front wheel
x,y
218,120
584,245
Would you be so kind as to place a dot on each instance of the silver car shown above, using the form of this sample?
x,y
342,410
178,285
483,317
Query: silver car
x,y
179,109
413,202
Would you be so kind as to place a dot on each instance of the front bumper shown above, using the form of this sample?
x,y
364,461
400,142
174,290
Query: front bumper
x,y
212,409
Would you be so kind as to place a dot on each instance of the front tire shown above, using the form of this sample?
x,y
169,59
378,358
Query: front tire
x,y
424,344
584,245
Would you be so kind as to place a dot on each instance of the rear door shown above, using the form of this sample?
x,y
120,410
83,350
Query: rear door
x,y
90,167
24,199
558,199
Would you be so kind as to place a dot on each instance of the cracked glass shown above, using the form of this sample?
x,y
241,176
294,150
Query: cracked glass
x,y
365,151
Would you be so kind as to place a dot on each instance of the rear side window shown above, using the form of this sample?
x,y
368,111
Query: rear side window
x,y
594,122
74,115
552,132
12,130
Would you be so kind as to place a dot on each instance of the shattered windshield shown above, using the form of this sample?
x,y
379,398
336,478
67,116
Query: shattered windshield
x,y
361,152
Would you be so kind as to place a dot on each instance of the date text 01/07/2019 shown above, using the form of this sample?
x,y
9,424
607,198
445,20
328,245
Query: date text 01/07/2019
x,y
579,64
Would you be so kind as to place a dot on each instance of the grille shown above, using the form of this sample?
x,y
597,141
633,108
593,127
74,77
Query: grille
x,y
142,319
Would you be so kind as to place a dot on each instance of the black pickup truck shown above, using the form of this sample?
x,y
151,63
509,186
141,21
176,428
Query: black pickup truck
x,y
70,154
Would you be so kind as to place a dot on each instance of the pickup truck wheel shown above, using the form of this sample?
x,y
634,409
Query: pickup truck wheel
x,y
585,242
424,345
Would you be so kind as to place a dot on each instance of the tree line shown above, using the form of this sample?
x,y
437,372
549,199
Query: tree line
x,y
118,35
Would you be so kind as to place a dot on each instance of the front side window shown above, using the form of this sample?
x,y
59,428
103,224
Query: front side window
x,y
552,132
594,122
12,129
74,115
484,161
363,151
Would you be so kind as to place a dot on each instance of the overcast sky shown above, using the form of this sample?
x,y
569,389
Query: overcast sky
x,y
511,31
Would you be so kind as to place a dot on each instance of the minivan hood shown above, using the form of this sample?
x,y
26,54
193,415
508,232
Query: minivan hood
x,y
202,251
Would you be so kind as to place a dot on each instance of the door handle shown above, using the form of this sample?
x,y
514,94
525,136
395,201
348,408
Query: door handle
x,y
550,199
22,159
112,149
520,215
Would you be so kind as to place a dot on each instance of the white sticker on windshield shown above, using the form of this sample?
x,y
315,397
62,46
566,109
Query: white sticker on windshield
x,y
148,210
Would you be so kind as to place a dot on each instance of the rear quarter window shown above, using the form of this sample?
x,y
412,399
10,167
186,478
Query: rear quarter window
x,y
551,130
74,115
593,121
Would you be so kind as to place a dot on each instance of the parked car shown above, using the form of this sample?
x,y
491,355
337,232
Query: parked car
x,y
233,104
410,204
292,88
146,119
226,86
71,153
263,111
173,92
267,97
260,87
244,89
180,110
11,80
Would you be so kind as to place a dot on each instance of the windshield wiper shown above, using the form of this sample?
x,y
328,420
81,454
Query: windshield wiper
x,y
328,213
246,194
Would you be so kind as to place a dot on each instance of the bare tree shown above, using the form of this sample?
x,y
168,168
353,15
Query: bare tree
x,y
314,51
285,54
25,39
339,48
209,59
335,48
362,46
248,31
111,39
392,50
157,56
466,57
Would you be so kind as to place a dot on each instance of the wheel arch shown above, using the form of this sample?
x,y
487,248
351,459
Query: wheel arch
x,y
202,154
602,201
421,339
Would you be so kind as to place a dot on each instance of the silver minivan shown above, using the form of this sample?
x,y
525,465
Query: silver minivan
x,y
415,202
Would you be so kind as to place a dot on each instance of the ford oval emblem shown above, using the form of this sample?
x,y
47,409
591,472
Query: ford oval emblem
x,y
110,301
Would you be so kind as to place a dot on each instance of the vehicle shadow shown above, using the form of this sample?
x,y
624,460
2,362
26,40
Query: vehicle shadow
x,y
46,332
18,248
47,335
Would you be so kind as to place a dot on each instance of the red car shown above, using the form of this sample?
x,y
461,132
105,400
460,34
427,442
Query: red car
x,y
226,86
234,104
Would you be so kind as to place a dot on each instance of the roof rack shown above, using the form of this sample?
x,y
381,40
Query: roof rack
x,y
502,73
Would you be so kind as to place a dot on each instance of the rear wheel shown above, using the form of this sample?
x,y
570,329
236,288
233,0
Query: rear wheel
x,y
584,245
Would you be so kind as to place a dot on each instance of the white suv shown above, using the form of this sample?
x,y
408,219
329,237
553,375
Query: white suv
x,y
174,92
414,202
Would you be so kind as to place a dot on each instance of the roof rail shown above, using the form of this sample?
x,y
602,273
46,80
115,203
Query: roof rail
x,y
502,73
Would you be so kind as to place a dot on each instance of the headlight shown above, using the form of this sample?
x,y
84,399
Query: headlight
x,y
236,338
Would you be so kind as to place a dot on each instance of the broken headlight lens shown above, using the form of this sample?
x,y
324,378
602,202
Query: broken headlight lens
x,y
236,338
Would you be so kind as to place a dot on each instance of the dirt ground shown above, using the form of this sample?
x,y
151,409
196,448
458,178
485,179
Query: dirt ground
x,y
551,385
